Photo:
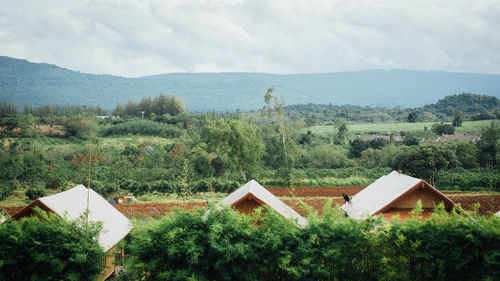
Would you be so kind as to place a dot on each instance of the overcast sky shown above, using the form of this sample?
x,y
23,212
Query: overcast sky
x,y
145,37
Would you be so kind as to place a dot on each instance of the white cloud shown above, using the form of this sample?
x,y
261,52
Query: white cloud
x,y
136,38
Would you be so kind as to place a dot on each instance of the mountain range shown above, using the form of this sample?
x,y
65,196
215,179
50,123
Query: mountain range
x,y
39,83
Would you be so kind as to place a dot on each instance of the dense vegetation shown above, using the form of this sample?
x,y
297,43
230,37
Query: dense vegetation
x,y
228,246
47,247
470,106
172,151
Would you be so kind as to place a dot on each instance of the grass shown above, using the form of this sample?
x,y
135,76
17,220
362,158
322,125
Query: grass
x,y
17,198
122,141
468,127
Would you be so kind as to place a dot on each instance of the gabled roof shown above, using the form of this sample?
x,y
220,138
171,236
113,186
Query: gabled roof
x,y
383,192
257,192
3,215
369,138
72,204
458,138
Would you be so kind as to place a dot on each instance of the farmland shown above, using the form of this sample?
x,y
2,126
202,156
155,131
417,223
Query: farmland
x,y
315,197
468,127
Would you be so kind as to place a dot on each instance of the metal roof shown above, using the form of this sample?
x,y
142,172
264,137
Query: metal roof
x,y
379,194
73,203
263,195
3,215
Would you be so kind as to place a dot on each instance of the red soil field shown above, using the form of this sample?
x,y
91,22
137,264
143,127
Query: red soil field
x,y
148,209
324,191
309,195
489,204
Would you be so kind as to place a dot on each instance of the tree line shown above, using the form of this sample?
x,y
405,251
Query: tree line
x,y
471,106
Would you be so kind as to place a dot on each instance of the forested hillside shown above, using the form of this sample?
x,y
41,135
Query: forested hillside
x,y
22,81
469,106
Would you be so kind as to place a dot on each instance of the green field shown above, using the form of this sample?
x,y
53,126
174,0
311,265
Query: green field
x,y
468,127
136,140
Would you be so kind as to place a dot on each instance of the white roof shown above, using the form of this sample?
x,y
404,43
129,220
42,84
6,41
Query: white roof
x,y
498,213
73,203
379,194
262,194
3,215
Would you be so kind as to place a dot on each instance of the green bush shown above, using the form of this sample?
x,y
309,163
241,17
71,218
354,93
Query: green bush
x,y
225,245
144,127
6,188
223,185
47,247
465,179
35,192
204,185
105,189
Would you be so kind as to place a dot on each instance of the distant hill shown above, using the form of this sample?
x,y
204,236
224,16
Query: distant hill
x,y
22,81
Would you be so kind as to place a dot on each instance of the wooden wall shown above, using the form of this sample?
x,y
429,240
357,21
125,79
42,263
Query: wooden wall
x,y
428,198
247,206
108,264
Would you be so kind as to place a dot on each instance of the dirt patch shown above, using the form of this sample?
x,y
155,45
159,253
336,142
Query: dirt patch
x,y
489,203
55,130
315,204
324,191
153,209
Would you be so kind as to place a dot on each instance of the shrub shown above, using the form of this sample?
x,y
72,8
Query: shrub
x,y
35,192
222,185
47,247
164,186
203,185
225,245
465,179
441,128
6,188
144,127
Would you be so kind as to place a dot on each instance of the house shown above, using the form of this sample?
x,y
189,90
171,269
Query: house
x,y
395,138
458,138
72,204
252,195
4,215
393,194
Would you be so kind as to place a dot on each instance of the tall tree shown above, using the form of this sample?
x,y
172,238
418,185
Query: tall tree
x,y
425,161
274,111
412,117
489,146
458,119
239,142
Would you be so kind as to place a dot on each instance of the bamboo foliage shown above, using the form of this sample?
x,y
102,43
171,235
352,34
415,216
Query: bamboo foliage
x,y
229,246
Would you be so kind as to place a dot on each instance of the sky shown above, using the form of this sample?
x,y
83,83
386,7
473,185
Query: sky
x,y
146,37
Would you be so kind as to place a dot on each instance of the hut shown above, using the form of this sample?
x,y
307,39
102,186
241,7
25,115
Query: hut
x,y
392,194
4,215
458,138
72,204
252,195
